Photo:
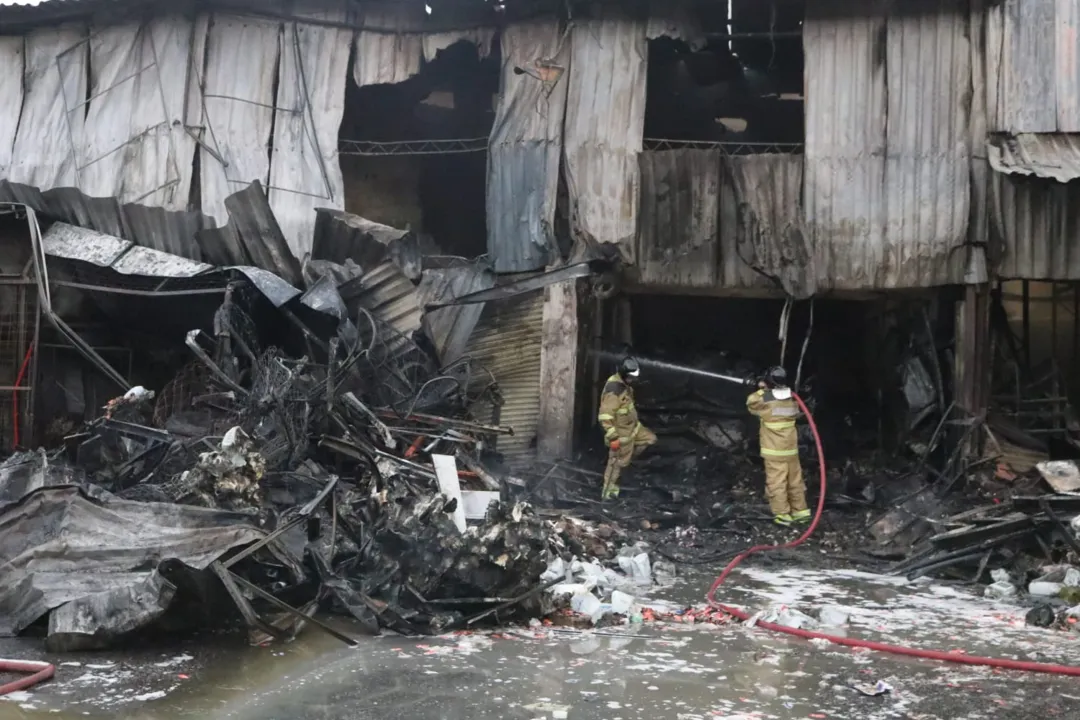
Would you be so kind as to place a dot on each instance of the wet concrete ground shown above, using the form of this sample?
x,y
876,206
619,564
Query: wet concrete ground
x,y
654,671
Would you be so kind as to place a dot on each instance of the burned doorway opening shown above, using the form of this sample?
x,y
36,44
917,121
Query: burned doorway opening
x,y
741,84
876,372
1035,328
414,153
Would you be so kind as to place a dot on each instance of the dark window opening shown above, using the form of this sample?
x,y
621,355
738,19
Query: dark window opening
x,y
413,154
745,85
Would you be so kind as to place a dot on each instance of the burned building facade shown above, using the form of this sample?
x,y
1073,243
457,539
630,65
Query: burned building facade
x,y
822,178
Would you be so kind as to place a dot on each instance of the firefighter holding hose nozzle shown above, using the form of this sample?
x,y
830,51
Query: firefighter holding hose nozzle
x,y
775,407
624,434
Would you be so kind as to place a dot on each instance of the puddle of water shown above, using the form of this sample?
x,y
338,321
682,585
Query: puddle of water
x,y
676,671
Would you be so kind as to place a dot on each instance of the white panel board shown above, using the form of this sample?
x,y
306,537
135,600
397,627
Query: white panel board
x,y
11,90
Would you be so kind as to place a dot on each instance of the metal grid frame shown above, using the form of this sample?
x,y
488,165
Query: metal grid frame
x,y
413,147
730,148
19,325
144,35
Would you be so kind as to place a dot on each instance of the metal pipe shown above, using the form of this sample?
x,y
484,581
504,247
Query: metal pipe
x,y
672,367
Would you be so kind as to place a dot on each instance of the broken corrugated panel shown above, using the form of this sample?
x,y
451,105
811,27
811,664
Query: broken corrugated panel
x,y
507,342
1055,156
390,296
76,243
304,171
678,238
42,155
605,119
768,191
241,58
1039,224
390,47
450,328
11,89
676,22
1022,82
524,149
481,37
887,151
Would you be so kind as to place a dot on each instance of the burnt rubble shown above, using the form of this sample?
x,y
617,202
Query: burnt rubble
x,y
314,450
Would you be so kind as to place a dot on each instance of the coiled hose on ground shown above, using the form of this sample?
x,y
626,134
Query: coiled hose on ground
x,y
856,642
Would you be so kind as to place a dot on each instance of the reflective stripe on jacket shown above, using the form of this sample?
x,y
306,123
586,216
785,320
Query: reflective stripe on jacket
x,y
778,435
617,414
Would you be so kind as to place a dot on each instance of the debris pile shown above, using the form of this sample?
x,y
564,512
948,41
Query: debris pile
x,y
318,449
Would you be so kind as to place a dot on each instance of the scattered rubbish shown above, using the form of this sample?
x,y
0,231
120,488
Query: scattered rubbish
x,y
879,688
786,616
1040,588
833,617
1040,616
1062,475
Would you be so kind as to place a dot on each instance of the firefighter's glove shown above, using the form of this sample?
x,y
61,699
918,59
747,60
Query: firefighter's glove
x,y
615,444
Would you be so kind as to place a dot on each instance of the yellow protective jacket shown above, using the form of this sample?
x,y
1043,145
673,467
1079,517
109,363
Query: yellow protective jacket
x,y
618,414
777,411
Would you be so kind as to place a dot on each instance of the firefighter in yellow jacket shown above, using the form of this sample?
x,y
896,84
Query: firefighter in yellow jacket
x,y
777,410
624,434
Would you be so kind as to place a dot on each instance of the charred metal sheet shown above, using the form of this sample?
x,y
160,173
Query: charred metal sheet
x,y
305,173
530,284
1055,156
75,243
449,328
507,342
678,236
605,119
888,157
253,236
342,236
66,524
391,297
771,229
525,145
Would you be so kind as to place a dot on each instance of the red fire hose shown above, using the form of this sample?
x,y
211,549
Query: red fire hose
x,y
855,642
37,672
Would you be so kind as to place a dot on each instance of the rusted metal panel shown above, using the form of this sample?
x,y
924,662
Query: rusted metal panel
x,y
507,342
525,147
1055,156
888,155
1038,222
605,117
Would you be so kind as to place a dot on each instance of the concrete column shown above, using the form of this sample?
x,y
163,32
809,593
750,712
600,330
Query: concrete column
x,y
558,371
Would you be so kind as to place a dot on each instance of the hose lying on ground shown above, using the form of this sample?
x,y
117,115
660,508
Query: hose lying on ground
x,y
38,672
856,642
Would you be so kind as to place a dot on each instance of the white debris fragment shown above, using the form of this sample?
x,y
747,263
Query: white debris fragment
x,y
1041,588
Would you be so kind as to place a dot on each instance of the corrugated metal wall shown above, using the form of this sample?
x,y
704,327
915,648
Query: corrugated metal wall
x,y
1038,222
1033,56
708,220
11,90
888,156
605,119
525,149
507,342
42,155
